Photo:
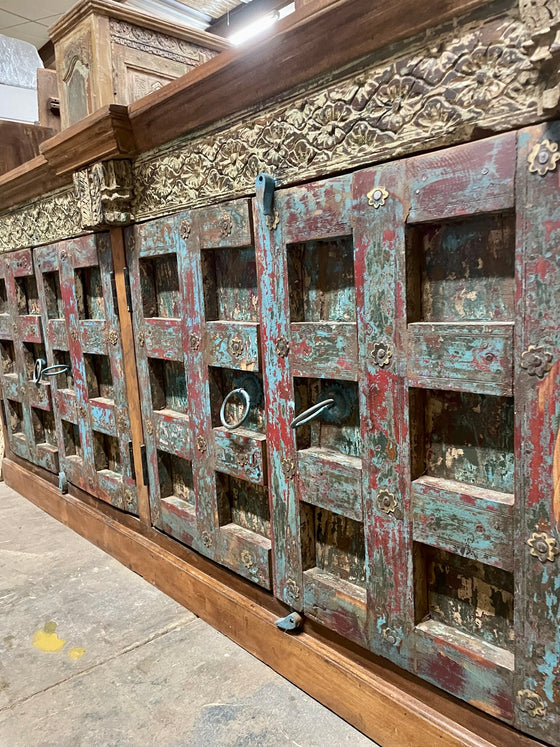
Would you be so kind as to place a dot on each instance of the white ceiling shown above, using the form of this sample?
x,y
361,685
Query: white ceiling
x,y
30,20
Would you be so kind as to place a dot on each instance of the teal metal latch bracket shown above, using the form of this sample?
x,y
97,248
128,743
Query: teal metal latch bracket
x,y
292,623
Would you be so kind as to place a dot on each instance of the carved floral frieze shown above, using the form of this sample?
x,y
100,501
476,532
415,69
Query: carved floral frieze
x,y
47,219
475,76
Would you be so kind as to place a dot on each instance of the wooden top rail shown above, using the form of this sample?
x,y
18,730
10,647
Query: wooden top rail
x,y
312,41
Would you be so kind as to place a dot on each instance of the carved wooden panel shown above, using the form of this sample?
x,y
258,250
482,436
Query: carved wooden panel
x,y
194,290
89,399
27,405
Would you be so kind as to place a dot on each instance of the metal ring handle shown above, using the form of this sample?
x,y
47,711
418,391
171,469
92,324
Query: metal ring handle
x,y
242,394
312,412
41,369
38,369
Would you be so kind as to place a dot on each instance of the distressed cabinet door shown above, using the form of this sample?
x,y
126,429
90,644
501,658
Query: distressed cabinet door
x,y
89,399
308,276
194,292
27,406
437,234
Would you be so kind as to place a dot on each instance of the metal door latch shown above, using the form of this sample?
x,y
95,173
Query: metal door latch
x,y
290,623
264,188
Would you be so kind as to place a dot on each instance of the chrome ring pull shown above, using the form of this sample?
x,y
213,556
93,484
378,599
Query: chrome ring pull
x,y
241,394
40,369
312,412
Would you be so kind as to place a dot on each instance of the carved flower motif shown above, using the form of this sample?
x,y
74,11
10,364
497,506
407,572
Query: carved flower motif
x,y
483,70
201,444
140,339
149,427
543,157
247,559
437,113
530,702
194,342
397,100
226,226
282,347
536,361
386,501
113,337
288,468
377,196
391,636
206,539
236,347
535,14
332,120
186,226
543,546
382,354
292,588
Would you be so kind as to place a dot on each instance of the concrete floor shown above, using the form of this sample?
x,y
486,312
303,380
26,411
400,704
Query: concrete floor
x,y
91,654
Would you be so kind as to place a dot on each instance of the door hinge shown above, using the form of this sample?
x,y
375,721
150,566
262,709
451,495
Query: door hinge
x,y
145,473
131,460
126,278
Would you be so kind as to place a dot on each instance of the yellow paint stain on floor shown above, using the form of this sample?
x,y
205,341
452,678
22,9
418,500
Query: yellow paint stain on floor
x,y
47,639
76,653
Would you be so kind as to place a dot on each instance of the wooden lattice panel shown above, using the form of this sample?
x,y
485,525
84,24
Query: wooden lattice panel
x,y
27,406
194,293
90,401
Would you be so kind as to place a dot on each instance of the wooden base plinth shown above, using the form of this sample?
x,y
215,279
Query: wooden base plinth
x,y
388,705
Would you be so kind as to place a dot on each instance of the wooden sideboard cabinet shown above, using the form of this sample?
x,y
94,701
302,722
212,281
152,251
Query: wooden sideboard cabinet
x,y
300,367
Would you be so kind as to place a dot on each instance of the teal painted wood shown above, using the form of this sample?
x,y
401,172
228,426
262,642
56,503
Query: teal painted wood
x,y
474,357
331,480
306,286
161,372
537,387
90,404
28,408
472,522
380,251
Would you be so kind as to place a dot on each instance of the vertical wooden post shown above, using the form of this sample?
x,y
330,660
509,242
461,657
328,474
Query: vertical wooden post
x,y
132,388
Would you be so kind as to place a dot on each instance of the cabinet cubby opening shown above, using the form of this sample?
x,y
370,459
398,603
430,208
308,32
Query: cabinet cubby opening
x,y
334,544
336,428
32,351
106,452
175,477
463,437
8,356
159,283
229,279
72,440
53,296
4,308
99,379
243,503
27,296
321,284
43,426
464,594
64,380
15,416
89,293
222,382
461,270
168,385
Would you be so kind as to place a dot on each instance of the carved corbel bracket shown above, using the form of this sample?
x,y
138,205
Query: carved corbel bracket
x,y
105,191
542,19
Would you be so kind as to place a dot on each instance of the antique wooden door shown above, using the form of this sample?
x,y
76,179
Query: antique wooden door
x,y
27,405
194,292
406,312
82,340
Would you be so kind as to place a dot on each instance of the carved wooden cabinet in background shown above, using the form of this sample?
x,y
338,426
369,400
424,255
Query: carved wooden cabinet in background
x,y
107,53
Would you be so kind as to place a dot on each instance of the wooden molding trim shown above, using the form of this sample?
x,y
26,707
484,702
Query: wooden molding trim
x,y
102,135
33,178
388,705
86,8
293,53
